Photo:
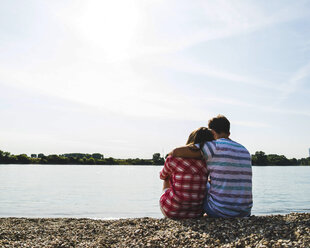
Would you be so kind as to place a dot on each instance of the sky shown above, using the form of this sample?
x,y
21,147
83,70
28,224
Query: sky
x,y
131,78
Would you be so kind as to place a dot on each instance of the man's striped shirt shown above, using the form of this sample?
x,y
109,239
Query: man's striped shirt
x,y
230,171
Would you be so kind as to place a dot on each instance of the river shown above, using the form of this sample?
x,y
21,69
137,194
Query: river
x,y
111,192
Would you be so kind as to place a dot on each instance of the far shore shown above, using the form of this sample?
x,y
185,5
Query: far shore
x,y
259,158
147,165
291,230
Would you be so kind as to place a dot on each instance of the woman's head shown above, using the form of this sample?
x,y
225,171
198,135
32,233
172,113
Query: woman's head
x,y
200,136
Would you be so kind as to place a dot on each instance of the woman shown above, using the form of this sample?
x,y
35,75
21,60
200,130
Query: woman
x,y
185,181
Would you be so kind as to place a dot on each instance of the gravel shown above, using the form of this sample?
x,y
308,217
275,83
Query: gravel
x,y
292,230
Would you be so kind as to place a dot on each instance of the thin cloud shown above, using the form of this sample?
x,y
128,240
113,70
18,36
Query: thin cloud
x,y
222,19
225,101
284,111
190,67
296,80
292,85
250,124
212,21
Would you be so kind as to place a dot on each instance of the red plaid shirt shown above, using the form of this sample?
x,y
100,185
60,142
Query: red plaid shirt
x,y
188,179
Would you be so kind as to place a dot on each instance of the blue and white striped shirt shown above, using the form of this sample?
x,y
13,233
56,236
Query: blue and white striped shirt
x,y
230,169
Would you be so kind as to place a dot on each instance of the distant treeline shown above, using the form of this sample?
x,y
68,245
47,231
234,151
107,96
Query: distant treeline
x,y
259,158
76,158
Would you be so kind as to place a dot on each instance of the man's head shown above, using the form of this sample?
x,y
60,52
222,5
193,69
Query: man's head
x,y
220,126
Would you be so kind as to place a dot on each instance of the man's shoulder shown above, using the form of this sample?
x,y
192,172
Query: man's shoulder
x,y
229,145
228,142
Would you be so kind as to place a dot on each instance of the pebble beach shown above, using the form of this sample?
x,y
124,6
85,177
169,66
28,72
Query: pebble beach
x,y
292,230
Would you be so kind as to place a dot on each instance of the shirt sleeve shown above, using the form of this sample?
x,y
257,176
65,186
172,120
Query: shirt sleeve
x,y
207,149
168,168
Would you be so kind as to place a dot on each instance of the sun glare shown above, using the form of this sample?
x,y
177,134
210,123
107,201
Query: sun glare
x,y
110,26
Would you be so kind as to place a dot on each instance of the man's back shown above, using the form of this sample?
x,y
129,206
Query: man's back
x,y
229,165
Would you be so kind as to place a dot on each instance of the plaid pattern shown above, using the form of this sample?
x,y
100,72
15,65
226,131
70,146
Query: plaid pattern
x,y
188,178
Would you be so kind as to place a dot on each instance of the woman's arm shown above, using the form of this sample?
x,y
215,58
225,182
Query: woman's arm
x,y
187,152
166,184
167,169
166,172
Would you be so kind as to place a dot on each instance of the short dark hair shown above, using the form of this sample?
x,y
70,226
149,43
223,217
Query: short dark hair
x,y
220,124
200,136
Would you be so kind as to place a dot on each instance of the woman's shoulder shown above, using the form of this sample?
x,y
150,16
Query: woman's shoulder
x,y
183,160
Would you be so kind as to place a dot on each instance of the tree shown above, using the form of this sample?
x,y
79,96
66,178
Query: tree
x,y
110,161
259,158
97,156
5,157
73,160
23,159
41,155
274,159
55,159
304,161
157,159
91,161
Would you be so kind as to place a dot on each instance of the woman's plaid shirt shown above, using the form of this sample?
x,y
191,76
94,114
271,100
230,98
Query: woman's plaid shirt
x,y
188,179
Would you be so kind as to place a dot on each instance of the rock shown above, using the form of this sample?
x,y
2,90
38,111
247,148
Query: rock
x,y
257,231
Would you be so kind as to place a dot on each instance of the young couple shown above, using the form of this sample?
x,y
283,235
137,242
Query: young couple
x,y
211,174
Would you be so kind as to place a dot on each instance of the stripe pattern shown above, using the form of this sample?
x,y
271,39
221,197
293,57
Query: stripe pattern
x,y
230,171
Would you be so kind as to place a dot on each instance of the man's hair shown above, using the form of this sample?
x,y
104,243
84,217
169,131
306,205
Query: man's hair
x,y
220,124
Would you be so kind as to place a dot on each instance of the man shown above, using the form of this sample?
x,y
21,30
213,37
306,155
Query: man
x,y
229,166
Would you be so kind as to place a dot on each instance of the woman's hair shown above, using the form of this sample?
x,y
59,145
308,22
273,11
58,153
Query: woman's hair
x,y
200,136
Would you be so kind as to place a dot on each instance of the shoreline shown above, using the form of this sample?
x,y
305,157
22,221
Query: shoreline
x,y
291,230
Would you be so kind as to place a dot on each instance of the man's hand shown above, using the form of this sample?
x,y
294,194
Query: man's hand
x,y
186,152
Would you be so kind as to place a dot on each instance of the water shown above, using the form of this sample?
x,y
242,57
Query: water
x,y
281,189
110,192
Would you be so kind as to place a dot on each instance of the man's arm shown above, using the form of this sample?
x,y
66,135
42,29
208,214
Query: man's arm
x,y
186,152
